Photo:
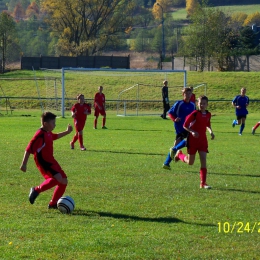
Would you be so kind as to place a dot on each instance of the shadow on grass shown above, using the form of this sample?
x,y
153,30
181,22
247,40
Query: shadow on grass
x,y
123,152
129,218
237,190
237,175
139,130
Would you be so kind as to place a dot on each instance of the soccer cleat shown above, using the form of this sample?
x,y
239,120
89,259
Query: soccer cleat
x,y
253,131
94,127
176,157
234,123
33,195
167,167
83,148
239,133
53,206
172,153
104,127
205,186
71,145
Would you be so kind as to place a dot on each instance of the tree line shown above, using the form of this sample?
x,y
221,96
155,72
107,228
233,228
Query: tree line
x,y
91,27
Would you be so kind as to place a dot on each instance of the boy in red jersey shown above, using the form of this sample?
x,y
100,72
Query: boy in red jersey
x,y
99,105
41,146
196,124
193,97
79,112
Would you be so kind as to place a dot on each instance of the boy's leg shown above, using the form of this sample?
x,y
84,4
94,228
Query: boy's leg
x,y
177,147
255,127
46,185
95,122
203,170
58,192
104,121
242,126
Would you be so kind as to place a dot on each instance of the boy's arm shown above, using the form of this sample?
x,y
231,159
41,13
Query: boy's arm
x,y
68,131
211,132
24,162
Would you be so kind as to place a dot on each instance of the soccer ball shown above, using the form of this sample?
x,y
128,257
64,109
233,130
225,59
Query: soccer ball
x,y
66,205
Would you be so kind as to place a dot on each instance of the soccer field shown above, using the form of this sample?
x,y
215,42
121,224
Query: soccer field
x,y
127,206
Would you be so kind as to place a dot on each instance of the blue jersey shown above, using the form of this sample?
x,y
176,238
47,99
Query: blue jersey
x,y
181,109
242,102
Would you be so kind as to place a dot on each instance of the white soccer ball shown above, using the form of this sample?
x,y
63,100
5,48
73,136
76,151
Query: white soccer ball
x,y
66,205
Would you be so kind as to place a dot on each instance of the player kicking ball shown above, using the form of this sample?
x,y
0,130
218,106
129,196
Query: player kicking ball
x,y
196,124
41,146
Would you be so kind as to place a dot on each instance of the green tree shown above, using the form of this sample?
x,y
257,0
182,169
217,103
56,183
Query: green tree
x,y
205,35
85,27
7,36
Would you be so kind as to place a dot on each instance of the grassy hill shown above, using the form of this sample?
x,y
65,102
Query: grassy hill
x,y
180,14
221,86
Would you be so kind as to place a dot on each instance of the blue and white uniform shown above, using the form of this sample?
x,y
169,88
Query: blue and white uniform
x,y
242,102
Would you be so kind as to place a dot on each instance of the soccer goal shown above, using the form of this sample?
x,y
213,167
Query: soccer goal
x,y
128,91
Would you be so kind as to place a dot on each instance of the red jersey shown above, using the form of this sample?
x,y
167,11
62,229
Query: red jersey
x,y
198,122
100,100
41,146
193,98
79,110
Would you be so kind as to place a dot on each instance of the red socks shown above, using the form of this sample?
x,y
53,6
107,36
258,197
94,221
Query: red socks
x,y
81,140
46,185
95,123
75,138
256,126
203,175
58,192
104,121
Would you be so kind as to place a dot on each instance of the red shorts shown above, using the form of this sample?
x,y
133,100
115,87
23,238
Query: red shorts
x,y
79,125
99,111
197,145
48,171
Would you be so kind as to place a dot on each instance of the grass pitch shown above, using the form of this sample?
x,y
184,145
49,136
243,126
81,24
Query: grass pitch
x,y
127,206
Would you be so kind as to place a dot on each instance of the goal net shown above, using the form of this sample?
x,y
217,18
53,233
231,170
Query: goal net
x,y
128,92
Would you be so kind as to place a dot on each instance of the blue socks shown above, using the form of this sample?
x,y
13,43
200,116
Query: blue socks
x,y
177,147
180,145
241,128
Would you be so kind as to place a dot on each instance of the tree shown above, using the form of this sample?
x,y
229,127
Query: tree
x,y
191,6
85,27
19,12
205,36
7,31
32,10
252,19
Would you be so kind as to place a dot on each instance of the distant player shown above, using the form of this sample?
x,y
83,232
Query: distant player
x,y
79,112
178,113
193,97
165,99
196,125
41,146
240,102
100,107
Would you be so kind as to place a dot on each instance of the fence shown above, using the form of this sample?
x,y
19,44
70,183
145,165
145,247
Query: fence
x,y
234,63
114,62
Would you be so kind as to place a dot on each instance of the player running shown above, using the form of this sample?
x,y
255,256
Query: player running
x,y
100,107
79,112
178,113
240,102
41,146
196,125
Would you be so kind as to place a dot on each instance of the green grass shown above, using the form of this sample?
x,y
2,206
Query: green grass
x,y
181,14
127,206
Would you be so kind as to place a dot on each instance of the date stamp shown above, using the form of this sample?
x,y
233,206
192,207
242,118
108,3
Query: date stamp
x,y
238,227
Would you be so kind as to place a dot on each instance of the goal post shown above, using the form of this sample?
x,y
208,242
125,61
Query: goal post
x,y
133,85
